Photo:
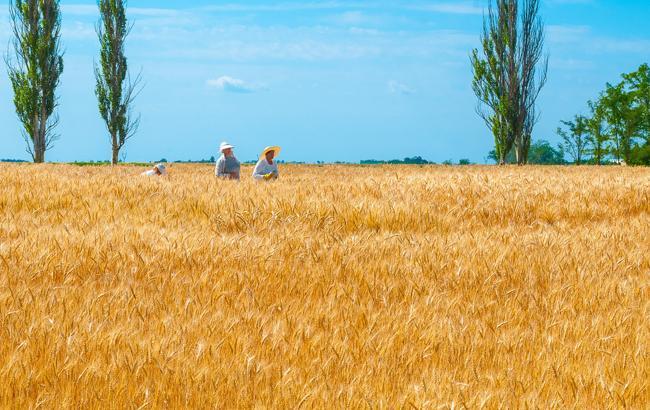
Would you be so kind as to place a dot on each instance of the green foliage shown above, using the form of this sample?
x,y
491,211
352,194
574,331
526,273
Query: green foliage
x,y
623,119
575,141
638,86
114,90
597,137
541,153
106,163
35,70
15,161
618,125
408,161
509,72
640,155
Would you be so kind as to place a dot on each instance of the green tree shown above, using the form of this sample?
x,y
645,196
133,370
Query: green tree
x,y
641,155
114,89
509,73
597,135
35,70
575,141
638,85
623,119
541,153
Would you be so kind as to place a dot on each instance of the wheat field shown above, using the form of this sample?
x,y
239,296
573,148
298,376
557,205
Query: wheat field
x,y
334,287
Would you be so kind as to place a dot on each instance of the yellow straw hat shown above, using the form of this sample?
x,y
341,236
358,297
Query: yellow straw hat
x,y
276,149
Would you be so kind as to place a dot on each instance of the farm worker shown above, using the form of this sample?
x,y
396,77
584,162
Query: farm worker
x,y
267,168
157,171
227,165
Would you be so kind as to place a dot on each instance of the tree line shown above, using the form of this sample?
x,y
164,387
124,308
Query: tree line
x,y
617,127
509,71
36,65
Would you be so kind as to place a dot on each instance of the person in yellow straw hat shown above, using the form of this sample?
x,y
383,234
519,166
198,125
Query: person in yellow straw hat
x,y
267,168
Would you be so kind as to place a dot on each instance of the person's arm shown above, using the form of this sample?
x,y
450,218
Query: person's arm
x,y
257,172
221,167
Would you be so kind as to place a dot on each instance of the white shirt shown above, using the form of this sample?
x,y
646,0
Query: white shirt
x,y
150,173
227,166
263,168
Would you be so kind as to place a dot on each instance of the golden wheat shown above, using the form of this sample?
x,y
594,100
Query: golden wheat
x,y
336,287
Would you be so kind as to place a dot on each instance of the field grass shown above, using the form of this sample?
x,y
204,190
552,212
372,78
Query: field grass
x,y
335,287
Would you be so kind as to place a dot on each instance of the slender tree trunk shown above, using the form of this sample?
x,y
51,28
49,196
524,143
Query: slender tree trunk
x,y
39,157
41,133
116,153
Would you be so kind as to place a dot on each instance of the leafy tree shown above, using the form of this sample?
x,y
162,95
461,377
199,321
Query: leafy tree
x,y
597,135
623,119
638,84
35,70
575,141
115,91
509,159
641,155
541,153
418,160
509,73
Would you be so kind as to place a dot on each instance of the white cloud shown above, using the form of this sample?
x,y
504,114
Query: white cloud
x,y
285,6
566,34
92,10
78,31
233,85
396,87
464,7
354,18
583,38
450,8
562,2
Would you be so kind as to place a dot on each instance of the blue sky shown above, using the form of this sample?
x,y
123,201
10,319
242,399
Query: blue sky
x,y
327,80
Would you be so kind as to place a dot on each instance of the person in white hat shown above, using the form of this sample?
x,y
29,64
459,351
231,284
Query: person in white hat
x,y
267,168
228,166
157,171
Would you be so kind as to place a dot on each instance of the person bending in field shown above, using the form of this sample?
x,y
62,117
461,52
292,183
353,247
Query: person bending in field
x,y
267,168
157,171
228,166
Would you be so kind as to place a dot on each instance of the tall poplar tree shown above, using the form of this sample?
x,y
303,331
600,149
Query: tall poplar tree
x,y
35,69
509,73
115,90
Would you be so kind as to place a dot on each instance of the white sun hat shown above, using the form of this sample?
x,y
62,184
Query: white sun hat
x,y
274,148
224,146
161,168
